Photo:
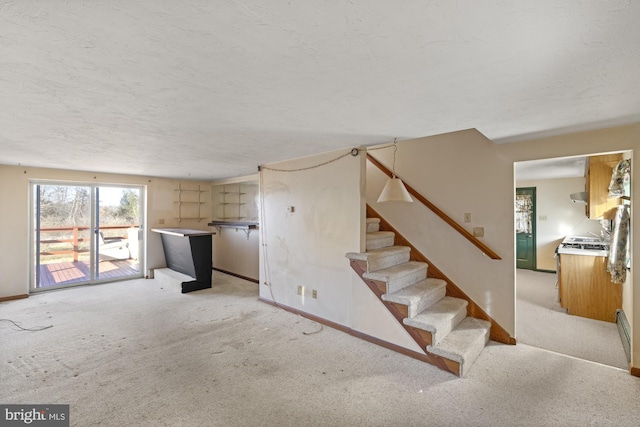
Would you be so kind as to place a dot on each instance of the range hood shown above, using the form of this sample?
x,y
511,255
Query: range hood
x,y
580,197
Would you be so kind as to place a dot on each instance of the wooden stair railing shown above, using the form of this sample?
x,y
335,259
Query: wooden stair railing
x,y
470,237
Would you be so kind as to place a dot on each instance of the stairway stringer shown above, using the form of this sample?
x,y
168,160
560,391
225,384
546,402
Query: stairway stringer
x,y
377,287
497,332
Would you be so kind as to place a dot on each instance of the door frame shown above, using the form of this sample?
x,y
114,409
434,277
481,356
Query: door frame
x,y
34,228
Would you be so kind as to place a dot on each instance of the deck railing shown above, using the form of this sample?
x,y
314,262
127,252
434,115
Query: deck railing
x,y
76,239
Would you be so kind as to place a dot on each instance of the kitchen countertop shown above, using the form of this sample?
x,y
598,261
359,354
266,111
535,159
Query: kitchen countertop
x,y
586,252
590,246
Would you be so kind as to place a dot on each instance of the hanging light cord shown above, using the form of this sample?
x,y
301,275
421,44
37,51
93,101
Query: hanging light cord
x,y
353,152
263,232
395,148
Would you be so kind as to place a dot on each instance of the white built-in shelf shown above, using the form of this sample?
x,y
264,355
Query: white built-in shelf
x,y
245,226
192,213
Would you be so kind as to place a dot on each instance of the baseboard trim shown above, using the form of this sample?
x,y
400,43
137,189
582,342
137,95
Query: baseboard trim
x,y
14,297
545,271
236,275
390,346
634,371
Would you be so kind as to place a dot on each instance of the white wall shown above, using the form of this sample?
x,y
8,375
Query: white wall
x,y
596,142
14,212
557,216
460,173
233,250
307,247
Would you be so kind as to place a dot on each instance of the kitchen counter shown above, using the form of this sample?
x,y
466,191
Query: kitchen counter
x,y
585,287
584,245
587,252
188,252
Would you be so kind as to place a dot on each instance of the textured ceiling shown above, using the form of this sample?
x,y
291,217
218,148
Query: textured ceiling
x,y
207,89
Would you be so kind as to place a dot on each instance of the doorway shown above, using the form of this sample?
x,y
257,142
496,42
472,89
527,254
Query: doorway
x,y
541,320
526,228
85,233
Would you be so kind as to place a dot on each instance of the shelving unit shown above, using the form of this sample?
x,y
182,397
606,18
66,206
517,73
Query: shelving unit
x,y
237,195
238,225
190,203
235,206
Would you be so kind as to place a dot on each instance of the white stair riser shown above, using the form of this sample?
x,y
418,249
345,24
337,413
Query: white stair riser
x,y
378,263
373,226
443,331
477,343
379,243
427,301
440,318
419,296
396,283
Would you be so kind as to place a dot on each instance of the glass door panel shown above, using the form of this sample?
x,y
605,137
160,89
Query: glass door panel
x,y
62,235
118,234
85,234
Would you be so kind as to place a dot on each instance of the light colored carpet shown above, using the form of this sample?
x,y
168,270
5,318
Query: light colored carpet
x,y
138,353
541,322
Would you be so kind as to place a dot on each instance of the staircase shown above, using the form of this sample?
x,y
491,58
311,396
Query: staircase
x,y
438,323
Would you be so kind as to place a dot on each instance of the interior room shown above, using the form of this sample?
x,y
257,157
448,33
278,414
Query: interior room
x,y
347,213
558,214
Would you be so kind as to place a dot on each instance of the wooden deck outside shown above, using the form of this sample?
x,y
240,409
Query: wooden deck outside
x,y
64,273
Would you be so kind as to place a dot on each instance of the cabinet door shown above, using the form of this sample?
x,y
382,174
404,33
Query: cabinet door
x,y
586,288
598,179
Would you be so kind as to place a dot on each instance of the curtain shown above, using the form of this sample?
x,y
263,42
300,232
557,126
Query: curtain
x,y
620,178
524,210
618,253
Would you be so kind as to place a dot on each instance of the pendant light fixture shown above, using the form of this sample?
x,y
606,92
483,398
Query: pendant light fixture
x,y
394,190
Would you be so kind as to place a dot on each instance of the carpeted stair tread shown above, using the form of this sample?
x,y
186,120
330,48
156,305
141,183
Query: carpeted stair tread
x,y
380,252
400,276
378,259
419,296
441,318
379,239
465,343
373,224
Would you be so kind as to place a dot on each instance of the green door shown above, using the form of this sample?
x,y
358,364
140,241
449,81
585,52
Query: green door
x,y
526,228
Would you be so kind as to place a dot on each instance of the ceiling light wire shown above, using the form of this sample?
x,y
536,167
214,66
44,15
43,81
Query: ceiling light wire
x,y
353,152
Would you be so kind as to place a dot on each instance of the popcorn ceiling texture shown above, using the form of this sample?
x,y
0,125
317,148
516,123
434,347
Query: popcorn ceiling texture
x,y
207,90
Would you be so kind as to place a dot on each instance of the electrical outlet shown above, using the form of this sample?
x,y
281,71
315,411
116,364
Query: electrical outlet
x,y
300,290
467,217
542,217
478,231
314,294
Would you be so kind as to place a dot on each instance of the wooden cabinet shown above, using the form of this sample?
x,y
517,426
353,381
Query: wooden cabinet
x,y
598,176
585,287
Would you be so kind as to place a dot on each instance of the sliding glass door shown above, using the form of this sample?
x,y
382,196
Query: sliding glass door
x,y
85,233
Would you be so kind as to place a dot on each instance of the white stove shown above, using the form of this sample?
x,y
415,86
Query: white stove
x,y
581,245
